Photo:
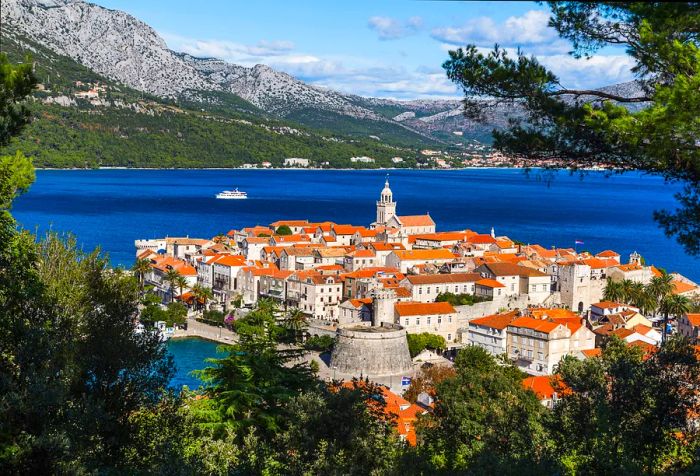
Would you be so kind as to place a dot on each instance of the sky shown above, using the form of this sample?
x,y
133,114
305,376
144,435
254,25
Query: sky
x,y
381,48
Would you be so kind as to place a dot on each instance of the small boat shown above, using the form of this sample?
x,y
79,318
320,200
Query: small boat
x,y
234,194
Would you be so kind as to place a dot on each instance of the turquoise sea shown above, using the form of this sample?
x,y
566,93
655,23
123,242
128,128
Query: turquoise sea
x,y
112,208
190,354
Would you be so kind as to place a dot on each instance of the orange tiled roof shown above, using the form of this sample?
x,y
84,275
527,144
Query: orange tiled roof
x,y
496,321
381,246
541,385
231,260
608,254
423,308
592,352
346,229
295,223
416,255
694,319
443,278
681,287
629,267
490,283
540,325
543,313
416,220
607,305
445,236
482,239
362,254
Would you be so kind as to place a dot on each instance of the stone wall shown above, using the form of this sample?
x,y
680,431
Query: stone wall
x,y
371,351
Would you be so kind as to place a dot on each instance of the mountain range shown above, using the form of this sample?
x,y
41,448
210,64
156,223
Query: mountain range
x,y
139,74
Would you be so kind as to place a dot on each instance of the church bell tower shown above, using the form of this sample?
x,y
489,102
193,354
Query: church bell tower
x,y
386,206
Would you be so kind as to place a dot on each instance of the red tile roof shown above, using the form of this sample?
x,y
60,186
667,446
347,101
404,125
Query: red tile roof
x,y
427,255
496,321
490,283
539,325
694,319
423,308
443,278
416,220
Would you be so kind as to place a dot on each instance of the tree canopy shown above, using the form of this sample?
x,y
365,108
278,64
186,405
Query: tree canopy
x,y
654,129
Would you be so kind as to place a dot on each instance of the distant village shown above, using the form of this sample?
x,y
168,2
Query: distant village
x,y
370,286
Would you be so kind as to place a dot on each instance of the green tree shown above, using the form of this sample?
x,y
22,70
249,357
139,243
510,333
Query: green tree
x,y
484,421
181,283
252,385
176,314
425,340
140,269
283,230
623,413
582,127
17,81
613,291
202,295
673,305
171,277
295,323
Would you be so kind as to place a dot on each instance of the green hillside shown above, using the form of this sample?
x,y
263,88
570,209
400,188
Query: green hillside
x,y
133,129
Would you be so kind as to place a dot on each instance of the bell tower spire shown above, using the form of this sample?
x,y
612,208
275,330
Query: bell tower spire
x,y
386,206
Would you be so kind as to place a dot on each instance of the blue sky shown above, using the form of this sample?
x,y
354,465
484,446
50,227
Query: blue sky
x,y
385,48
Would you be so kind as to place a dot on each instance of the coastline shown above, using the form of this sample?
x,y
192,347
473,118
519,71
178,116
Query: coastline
x,y
348,169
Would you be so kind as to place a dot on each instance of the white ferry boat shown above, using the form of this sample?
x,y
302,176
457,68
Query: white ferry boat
x,y
234,194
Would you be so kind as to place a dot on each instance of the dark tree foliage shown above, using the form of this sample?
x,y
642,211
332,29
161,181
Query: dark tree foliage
x,y
654,129
16,83
71,367
627,413
484,422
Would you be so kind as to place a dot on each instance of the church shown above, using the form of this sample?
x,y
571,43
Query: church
x,y
397,227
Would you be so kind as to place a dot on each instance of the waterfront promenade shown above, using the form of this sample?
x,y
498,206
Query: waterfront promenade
x,y
198,329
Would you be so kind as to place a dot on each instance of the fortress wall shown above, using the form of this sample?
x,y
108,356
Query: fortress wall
x,y
371,352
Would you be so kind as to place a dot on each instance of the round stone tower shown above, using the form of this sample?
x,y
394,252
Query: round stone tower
x,y
371,351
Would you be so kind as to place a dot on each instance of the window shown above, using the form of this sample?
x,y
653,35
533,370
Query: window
x,y
420,290
439,319
428,320
407,322
449,337
449,319
418,321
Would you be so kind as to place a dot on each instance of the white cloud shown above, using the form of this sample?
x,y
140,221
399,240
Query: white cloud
x,y
529,30
598,71
229,50
374,77
388,28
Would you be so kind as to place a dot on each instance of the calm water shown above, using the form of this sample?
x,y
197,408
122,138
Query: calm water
x,y
189,354
112,208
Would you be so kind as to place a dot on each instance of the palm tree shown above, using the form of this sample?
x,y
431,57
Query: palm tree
x,y
660,287
181,283
613,291
674,305
295,323
202,295
628,289
140,268
268,306
646,302
171,278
